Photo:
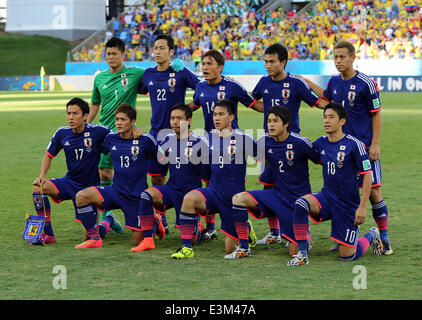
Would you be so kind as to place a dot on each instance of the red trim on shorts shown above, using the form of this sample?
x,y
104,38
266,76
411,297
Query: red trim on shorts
x,y
288,239
56,201
205,181
158,191
99,193
319,204
319,99
156,174
256,202
201,194
228,235
77,220
320,207
132,228
342,243
250,211
102,199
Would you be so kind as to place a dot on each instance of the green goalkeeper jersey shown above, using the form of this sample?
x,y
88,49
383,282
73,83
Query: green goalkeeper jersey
x,y
113,89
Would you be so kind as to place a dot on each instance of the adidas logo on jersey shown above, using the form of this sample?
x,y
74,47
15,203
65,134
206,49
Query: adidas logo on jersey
x,y
202,94
114,148
323,152
105,86
67,143
270,151
151,83
266,91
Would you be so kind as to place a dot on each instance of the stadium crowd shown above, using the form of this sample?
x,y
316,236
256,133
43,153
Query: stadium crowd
x,y
377,28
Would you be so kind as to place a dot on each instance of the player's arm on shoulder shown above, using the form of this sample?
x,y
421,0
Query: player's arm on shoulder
x,y
315,87
93,111
258,106
137,132
193,107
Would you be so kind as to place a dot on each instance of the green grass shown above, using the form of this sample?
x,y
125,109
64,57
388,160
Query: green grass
x,y
25,54
28,120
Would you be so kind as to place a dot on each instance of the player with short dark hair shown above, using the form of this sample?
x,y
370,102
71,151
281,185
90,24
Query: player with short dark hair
x,y
216,87
81,143
343,157
187,157
166,84
359,94
228,151
112,87
286,155
129,157
280,88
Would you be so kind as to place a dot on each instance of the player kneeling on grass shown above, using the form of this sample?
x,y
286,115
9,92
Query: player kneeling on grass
x,y
228,152
82,145
130,157
343,157
187,156
286,156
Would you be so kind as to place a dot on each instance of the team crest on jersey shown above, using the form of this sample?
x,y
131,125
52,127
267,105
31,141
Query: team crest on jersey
x,y
172,82
88,144
188,152
351,96
231,150
124,82
290,155
221,95
134,150
340,156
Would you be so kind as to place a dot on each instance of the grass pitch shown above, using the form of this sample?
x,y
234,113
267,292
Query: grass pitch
x,y
28,121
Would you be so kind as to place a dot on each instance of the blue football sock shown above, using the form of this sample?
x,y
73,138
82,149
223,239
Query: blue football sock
x,y
240,219
301,224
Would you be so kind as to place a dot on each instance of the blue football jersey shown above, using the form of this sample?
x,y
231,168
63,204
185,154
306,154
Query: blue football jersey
x,y
187,161
130,162
165,88
360,96
289,92
207,95
82,152
228,160
341,162
288,161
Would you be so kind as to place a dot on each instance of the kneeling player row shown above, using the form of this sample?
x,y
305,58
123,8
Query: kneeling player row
x,y
222,155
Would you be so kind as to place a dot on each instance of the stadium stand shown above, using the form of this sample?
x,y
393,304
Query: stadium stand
x,y
241,30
